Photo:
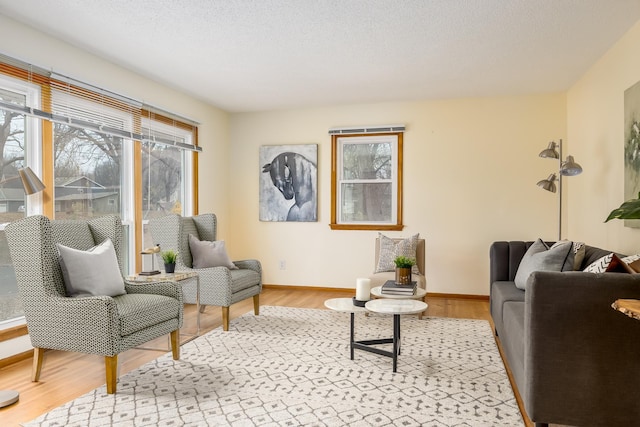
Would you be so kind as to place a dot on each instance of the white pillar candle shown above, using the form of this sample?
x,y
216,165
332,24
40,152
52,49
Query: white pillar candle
x,y
363,289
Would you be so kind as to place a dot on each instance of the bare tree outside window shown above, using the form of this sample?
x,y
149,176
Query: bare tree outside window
x,y
87,173
163,175
161,180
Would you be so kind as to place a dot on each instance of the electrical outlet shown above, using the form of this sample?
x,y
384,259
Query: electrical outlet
x,y
283,264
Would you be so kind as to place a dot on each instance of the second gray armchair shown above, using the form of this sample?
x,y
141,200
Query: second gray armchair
x,y
219,286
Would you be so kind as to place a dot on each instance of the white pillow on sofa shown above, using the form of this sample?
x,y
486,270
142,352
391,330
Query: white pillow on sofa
x,y
206,254
93,272
539,257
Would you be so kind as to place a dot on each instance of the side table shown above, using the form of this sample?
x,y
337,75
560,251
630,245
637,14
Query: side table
x,y
180,277
630,307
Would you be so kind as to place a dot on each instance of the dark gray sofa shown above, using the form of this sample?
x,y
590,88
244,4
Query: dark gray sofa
x,y
574,359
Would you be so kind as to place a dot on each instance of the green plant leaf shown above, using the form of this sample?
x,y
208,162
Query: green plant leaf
x,y
169,256
404,262
628,210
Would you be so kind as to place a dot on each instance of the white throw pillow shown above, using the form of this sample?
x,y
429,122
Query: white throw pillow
x,y
91,273
600,265
207,254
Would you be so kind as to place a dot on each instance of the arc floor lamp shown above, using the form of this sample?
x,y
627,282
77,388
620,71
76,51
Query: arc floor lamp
x,y
32,185
568,167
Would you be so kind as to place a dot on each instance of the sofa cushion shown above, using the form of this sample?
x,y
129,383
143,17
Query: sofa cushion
x,y
502,292
513,339
540,258
141,311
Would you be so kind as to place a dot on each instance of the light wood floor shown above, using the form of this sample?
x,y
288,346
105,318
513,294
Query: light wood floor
x,y
66,376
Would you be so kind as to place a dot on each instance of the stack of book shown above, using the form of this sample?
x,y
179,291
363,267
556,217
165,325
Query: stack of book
x,y
390,287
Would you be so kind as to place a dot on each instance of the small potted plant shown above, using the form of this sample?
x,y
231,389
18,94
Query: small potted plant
x,y
169,258
403,269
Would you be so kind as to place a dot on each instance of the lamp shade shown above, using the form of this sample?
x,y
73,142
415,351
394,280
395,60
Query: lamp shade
x,y
549,183
570,168
550,151
30,181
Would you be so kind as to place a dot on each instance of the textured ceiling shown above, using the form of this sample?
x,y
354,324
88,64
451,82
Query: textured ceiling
x,y
255,55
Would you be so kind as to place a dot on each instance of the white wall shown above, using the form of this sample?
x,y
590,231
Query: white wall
x,y
595,125
470,169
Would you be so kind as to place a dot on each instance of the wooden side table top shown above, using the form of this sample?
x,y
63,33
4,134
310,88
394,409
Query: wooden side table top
x,y
630,307
177,276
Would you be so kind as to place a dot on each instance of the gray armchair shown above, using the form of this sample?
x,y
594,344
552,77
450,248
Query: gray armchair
x,y
219,286
100,325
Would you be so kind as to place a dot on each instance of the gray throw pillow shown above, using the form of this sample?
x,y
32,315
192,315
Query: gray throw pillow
x,y
576,255
91,273
208,254
390,249
540,258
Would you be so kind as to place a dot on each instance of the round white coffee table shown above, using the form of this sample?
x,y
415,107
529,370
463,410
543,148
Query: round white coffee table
x,y
419,295
396,307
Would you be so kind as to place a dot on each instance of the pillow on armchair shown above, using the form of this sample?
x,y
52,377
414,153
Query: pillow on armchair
x,y
390,249
208,254
94,272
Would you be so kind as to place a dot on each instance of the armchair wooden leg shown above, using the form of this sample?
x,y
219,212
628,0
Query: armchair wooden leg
x,y
38,354
225,318
256,304
111,368
175,344
202,307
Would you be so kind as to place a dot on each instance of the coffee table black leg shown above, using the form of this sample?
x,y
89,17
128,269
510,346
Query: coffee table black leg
x,y
351,336
396,340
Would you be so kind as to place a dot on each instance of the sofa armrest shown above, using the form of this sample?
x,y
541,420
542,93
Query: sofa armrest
x,y
581,356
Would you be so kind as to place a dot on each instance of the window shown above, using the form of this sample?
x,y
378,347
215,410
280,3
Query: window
x,y
97,153
366,182
18,136
167,185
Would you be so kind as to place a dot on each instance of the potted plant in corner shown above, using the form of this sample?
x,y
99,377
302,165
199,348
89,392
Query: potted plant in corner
x,y
403,269
169,258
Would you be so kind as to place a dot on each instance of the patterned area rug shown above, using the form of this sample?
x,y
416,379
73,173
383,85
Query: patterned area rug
x,y
291,367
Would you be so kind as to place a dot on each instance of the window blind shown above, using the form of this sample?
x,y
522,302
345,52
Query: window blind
x,y
79,104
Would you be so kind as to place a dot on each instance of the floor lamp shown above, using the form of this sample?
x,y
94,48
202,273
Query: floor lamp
x,y
567,167
32,185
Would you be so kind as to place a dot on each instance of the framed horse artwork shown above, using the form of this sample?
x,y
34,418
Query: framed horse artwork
x,y
289,183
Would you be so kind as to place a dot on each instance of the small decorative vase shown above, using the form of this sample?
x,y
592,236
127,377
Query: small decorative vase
x,y
170,268
403,275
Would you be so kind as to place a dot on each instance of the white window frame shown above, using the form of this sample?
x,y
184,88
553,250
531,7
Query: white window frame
x,y
33,155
